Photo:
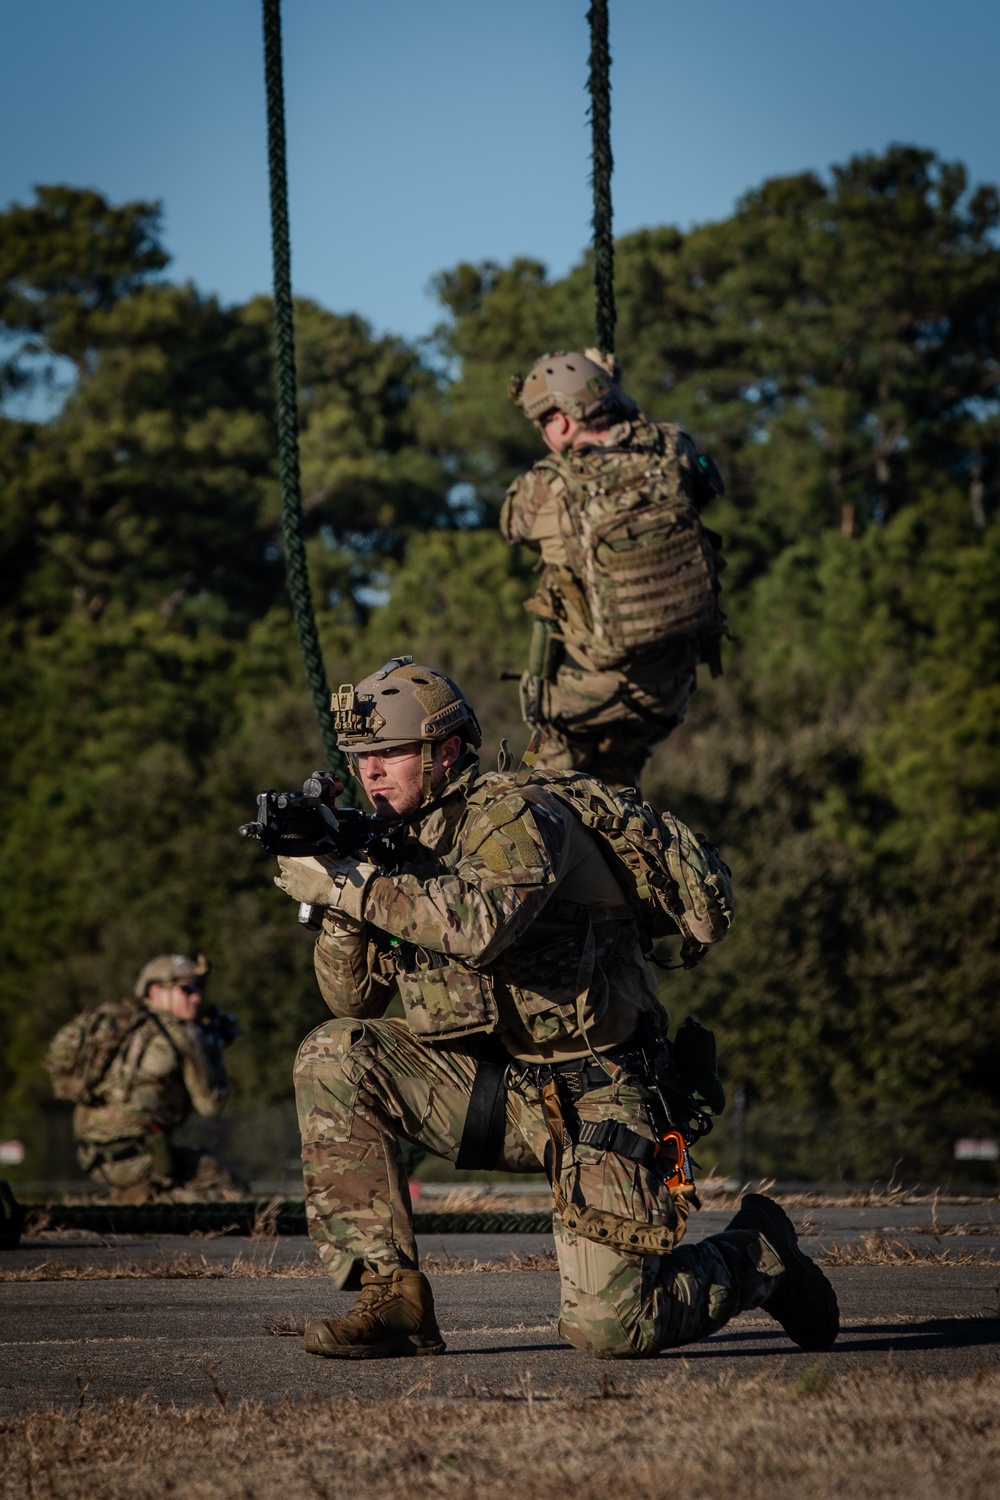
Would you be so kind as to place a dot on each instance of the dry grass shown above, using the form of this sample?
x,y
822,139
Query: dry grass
x,y
718,1193
876,1249
872,1248
182,1267
891,1195
472,1198
444,1265
188,1267
826,1435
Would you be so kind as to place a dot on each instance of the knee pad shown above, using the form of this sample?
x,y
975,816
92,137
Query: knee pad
x,y
605,1339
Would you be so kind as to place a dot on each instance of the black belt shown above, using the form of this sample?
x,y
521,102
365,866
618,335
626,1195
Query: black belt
x,y
580,1074
576,1078
482,1139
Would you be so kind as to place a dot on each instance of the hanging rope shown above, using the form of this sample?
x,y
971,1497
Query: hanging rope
x,y
600,129
286,407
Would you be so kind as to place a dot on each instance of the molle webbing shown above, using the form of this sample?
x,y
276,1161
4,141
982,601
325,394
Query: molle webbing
x,y
637,548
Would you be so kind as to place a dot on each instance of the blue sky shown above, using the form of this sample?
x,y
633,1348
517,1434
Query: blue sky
x,y
424,134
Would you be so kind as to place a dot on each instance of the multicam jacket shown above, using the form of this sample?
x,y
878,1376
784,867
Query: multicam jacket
x,y
652,572
164,1070
505,918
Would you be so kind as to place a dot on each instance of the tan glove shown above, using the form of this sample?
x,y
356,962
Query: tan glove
x,y
339,883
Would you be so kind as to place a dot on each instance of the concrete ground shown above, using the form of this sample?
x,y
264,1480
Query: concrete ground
x,y
180,1339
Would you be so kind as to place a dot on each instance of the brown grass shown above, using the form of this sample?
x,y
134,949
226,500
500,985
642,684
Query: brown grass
x,y
472,1198
188,1267
182,1267
871,1249
826,1435
876,1249
444,1265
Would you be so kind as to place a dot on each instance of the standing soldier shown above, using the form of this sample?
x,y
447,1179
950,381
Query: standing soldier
x,y
532,1040
135,1069
627,605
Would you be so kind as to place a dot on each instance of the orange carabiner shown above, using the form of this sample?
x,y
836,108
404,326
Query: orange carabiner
x,y
680,1171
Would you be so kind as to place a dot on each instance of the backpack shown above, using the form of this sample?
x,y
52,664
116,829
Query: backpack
x,y
647,566
675,881
82,1053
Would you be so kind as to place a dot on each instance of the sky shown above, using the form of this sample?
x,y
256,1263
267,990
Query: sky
x,y
420,135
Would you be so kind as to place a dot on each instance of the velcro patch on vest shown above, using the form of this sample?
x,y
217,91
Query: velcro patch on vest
x,y
508,844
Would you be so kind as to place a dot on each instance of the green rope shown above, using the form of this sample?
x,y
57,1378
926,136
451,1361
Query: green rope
x,y
296,568
600,128
287,1216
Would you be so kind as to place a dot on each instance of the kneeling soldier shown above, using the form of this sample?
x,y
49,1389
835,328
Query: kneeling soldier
x,y
531,1017
135,1069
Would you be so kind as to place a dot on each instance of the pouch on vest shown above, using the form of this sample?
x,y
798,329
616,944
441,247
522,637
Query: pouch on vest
x,y
443,998
545,651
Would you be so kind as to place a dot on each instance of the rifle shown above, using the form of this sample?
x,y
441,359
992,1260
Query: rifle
x,y
220,1029
309,822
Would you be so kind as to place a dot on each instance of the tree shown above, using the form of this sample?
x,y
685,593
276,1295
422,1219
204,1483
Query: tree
x,y
65,258
835,345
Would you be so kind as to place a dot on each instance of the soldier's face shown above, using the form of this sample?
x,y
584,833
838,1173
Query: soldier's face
x,y
181,999
394,778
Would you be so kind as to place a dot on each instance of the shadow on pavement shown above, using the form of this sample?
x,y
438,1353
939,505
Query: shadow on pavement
x,y
931,1333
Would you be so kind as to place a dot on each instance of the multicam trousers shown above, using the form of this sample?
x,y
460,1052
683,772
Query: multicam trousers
x,y
359,1084
169,1174
603,724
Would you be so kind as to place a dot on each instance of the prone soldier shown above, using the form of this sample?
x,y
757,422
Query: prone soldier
x,y
134,1070
628,604
532,1039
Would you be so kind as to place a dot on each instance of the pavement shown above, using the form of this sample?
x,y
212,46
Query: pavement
x,y
180,1340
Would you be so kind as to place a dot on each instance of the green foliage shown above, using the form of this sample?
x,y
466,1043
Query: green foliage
x,y
836,345
833,345
67,258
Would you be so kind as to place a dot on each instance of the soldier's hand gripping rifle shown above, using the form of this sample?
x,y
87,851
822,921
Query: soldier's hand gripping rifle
x,y
310,823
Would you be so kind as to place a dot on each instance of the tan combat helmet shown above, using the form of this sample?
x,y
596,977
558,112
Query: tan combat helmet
x,y
584,386
170,968
403,704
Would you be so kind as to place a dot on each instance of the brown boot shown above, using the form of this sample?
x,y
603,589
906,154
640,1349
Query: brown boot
x,y
393,1317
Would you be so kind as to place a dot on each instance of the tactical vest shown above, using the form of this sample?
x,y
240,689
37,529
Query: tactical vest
x,y
544,975
646,568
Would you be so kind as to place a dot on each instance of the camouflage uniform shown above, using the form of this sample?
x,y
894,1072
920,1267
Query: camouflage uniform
x,y
601,716
165,1069
506,919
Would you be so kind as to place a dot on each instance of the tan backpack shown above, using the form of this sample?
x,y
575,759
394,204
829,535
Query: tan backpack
x,y
82,1052
675,880
647,566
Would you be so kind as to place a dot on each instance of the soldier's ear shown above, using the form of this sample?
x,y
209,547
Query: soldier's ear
x,y
450,751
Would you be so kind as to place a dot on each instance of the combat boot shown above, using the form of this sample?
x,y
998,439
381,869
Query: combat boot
x,y
803,1301
392,1318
